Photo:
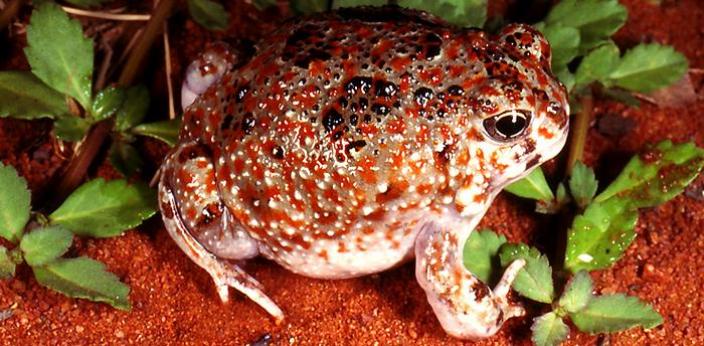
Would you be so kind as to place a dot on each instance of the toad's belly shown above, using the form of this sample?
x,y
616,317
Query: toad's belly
x,y
378,247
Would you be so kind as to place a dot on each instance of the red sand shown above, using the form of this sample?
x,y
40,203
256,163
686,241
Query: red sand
x,y
174,302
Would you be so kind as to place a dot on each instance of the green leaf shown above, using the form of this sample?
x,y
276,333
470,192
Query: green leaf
x,y
308,6
599,237
597,65
353,3
549,330
125,158
567,78
210,14
86,278
165,131
59,54
14,204
480,253
657,175
583,184
105,209
578,292
44,245
612,313
87,3
70,128
107,102
466,13
534,281
533,186
133,109
648,67
24,96
7,265
564,42
263,4
596,20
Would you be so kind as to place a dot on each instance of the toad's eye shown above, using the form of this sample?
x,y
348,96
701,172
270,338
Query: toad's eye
x,y
507,125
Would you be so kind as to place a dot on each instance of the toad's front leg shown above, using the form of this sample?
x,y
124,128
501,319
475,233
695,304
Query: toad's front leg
x,y
465,306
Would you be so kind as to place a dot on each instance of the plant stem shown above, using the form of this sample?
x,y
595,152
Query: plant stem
x,y
10,11
151,32
90,145
579,132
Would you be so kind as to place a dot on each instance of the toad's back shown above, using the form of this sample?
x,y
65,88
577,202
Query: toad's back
x,y
339,125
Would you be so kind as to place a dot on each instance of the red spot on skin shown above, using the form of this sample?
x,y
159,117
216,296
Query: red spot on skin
x,y
423,134
317,67
381,47
432,76
545,133
397,126
367,173
400,63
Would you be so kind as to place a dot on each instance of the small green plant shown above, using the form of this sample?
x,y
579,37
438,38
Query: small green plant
x,y
97,209
60,87
467,13
597,238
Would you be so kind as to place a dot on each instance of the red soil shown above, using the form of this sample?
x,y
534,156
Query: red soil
x,y
174,302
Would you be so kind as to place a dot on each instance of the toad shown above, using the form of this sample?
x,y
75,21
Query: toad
x,y
352,141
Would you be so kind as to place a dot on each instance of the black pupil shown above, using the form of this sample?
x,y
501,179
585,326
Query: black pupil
x,y
511,125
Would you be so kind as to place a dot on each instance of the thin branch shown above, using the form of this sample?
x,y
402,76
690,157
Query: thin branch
x,y
169,81
578,136
107,15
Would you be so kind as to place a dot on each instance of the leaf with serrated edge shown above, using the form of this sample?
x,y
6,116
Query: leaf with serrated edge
x,y
533,186
14,204
613,313
549,330
133,109
44,245
480,253
600,235
467,13
534,281
24,96
107,102
583,184
210,14
597,65
353,3
577,293
86,278
7,266
165,131
656,175
59,54
105,209
648,67
70,128
595,19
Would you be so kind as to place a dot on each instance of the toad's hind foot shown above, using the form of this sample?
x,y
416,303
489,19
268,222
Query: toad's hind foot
x,y
224,273
465,307
193,214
